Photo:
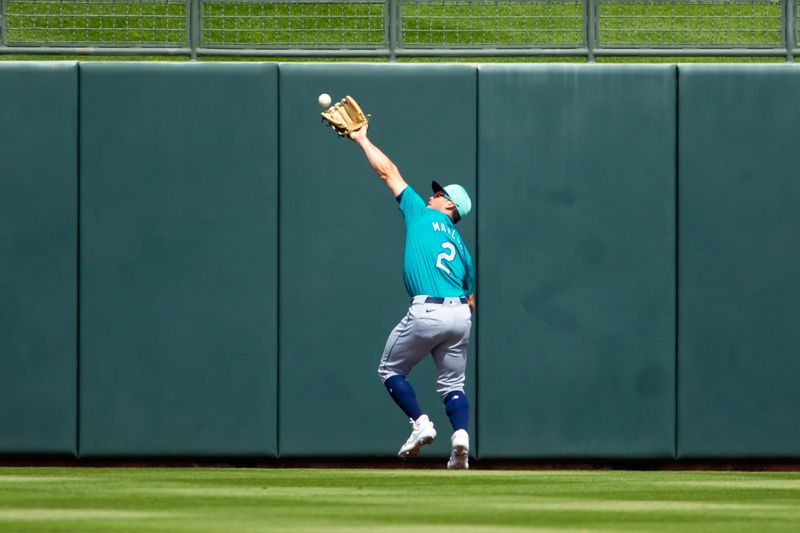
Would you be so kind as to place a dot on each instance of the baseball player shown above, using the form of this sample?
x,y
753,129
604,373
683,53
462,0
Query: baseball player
x,y
438,275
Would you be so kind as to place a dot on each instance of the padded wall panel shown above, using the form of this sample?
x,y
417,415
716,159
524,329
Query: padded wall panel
x,y
577,262
178,259
341,248
38,257
738,365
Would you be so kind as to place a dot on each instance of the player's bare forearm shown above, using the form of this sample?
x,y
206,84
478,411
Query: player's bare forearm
x,y
380,163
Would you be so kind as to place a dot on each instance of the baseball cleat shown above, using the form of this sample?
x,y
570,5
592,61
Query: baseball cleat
x,y
422,434
459,456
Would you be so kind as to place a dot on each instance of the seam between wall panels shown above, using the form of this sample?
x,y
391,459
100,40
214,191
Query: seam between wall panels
x,y
677,263
78,260
278,268
475,290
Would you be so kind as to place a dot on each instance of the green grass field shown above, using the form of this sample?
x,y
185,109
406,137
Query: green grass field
x,y
223,499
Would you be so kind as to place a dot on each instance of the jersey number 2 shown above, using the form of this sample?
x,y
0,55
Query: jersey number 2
x,y
444,256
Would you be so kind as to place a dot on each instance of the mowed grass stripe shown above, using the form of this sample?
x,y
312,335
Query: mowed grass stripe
x,y
200,499
46,514
545,23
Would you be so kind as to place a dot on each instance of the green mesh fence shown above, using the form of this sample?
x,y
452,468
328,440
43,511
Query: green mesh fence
x,y
292,23
429,24
96,23
697,23
539,23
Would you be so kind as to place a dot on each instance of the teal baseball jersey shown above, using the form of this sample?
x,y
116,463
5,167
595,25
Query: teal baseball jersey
x,y
436,261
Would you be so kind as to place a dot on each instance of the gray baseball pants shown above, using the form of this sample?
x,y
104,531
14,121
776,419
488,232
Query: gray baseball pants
x,y
439,329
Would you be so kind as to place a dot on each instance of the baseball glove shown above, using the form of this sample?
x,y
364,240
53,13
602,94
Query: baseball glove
x,y
345,116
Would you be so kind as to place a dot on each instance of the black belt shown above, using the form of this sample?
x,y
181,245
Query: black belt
x,y
435,300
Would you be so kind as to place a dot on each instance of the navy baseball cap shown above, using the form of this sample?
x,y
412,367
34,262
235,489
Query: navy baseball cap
x,y
456,194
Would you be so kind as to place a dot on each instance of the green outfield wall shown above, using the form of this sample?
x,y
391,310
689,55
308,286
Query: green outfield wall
x,y
178,259
191,265
38,257
577,261
739,282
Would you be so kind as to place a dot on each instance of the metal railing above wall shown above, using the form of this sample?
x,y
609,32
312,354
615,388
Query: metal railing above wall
x,y
401,28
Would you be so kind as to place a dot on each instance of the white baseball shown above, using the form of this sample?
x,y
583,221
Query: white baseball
x,y
324,100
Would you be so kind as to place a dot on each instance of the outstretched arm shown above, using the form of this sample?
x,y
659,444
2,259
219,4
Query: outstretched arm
x,y
382,165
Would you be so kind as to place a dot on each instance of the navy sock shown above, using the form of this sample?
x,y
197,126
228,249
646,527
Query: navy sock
x,y
457,408
403,395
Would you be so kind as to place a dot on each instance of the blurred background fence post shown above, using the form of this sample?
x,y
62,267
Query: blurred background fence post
x,y
402,29
393,27
2,23
195,25
590,17
790,28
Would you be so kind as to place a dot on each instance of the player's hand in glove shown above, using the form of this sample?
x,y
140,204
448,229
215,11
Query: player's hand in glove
x,y
345,117
360,133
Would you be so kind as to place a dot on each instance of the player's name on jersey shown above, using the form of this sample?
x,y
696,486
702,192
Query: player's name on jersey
x,y
450,230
